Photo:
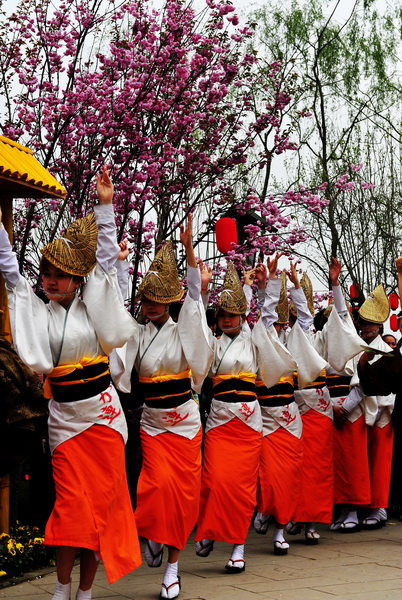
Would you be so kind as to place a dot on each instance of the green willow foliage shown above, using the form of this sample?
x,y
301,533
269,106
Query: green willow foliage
x,y
346,75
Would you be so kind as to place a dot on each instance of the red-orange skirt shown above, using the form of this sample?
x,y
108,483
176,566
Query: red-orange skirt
x,y
168,493
351,466
229,479
93,508
317,486
380,446
280,475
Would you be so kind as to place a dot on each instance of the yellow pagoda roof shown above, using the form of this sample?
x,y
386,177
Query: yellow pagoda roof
x,y
22,176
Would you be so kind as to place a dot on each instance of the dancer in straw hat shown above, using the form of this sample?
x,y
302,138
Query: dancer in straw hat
x,y
234,428
280,471
170,359
315,502
69,339
363,439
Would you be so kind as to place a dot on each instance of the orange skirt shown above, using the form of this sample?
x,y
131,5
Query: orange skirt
x,y
168,493
380,446
93,508
229,480
317,486
351,466
280,475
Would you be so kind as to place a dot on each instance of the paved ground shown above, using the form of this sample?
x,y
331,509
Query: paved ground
x,y
360,566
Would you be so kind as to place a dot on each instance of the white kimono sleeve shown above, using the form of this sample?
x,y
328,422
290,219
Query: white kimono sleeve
x,y
309,362
195,335
342,342
102,296
274,360
28,314
272,293
304,316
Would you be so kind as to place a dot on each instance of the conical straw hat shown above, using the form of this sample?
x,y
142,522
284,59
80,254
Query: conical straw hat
x,y
307,288
75,251
375,308
232,298
161,283
283,304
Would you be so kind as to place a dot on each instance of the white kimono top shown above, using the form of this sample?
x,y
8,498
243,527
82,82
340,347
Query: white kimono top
x,y
307,361
48,335
259,352
377,410
168,350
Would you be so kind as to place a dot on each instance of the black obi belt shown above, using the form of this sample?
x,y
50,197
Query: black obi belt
x,y
234,390
166,394
81,383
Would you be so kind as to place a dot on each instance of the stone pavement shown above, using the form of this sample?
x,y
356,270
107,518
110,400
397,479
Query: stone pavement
x,y
361,566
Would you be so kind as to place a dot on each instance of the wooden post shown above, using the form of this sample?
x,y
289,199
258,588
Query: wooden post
x,y
5,331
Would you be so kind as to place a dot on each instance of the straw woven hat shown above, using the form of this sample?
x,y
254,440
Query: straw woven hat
x,y
375,308
283,304
232,298
75,251
307,288
161,283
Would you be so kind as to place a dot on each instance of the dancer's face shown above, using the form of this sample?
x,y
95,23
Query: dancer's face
x,y
58,285
229,323
155,311
368,331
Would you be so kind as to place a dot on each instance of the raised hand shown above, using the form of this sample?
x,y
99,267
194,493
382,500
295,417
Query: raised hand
x,y
248,277
206,275
104,186
334,271
124,250
186,232
292,274
186,238
272,265
261,275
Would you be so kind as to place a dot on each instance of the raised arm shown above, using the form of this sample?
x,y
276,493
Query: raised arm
x,y
107,248
206,276
186,238
193,273
339,300
304,316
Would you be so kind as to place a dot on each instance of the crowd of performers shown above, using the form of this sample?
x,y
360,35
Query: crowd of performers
x,y
297,427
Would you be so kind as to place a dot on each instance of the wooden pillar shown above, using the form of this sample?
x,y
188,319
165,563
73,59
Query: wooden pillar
x,y
5,504
5,331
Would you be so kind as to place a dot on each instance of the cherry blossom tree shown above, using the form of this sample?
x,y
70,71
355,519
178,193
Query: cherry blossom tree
x,y
165,97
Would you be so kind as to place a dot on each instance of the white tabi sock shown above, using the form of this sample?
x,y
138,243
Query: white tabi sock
x,y
278,535
84,594
171,573
237,552
63,591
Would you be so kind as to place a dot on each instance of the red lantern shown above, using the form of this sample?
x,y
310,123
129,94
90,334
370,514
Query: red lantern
x,y
393,301
225,234
393,323
354,290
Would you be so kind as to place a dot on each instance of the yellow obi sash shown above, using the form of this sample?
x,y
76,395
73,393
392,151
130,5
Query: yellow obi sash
x,y
75,381
166,391
230,387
